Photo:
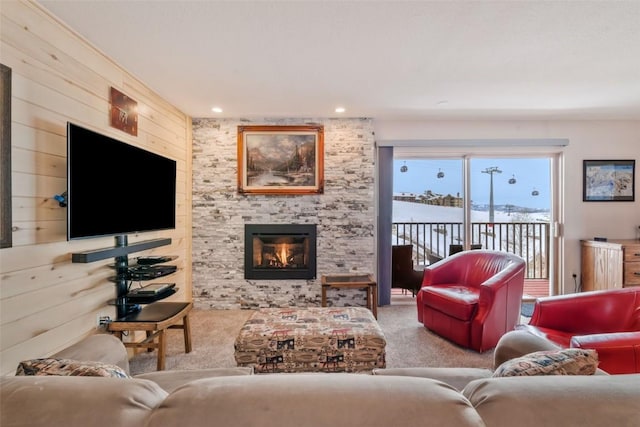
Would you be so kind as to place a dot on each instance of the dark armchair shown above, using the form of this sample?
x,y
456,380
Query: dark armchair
x,y
472,298
402,273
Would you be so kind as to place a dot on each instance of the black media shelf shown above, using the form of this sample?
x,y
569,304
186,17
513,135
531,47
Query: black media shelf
x,y
146,299
138,273
117,251
120,252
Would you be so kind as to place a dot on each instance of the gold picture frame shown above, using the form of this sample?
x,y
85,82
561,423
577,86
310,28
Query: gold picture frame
x,y
281,159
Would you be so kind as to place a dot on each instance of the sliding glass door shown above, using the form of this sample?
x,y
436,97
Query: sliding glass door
x,y
428,206
511,211
442,205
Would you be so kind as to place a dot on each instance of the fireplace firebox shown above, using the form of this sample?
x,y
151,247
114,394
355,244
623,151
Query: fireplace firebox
x,y
280,251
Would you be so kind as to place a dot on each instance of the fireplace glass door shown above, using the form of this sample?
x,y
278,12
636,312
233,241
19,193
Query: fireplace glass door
x,y
280,251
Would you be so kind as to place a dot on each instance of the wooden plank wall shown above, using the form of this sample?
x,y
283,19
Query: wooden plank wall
x,y
47,302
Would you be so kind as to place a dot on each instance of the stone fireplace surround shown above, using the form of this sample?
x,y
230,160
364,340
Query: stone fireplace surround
x,y
344,214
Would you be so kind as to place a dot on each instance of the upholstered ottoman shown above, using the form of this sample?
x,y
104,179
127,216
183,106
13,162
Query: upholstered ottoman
x,y
314,339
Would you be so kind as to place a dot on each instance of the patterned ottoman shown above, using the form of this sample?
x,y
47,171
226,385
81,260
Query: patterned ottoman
x,y
314,339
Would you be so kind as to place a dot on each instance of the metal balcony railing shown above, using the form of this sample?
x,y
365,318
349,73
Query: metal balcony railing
x,y
433,241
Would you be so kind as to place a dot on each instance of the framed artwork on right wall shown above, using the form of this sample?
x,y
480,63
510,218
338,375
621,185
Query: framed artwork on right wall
x,y
608,180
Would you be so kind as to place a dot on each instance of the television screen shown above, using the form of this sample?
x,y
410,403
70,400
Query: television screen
x,y
114,188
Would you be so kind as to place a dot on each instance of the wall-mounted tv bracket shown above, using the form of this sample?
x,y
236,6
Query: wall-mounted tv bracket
x,y
122,285
61,199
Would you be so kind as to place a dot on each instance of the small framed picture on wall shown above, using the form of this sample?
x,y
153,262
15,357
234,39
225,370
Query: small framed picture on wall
x,y
124,112
609,180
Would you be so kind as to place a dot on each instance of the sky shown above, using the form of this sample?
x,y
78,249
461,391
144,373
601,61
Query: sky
x,y
530,174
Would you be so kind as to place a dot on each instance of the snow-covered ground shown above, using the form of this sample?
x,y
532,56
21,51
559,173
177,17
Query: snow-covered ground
x,y
419,212
521,239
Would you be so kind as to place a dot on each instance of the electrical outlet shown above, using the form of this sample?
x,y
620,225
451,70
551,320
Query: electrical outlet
x,y
102,321
575,282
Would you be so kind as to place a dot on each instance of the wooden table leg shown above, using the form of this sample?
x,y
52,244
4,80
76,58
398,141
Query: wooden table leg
x,y
324,295
186,329
162,347
374,292
149,333
368,291
155,320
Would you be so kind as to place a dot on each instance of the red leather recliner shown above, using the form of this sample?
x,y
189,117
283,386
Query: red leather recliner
x,y
607,321
473,297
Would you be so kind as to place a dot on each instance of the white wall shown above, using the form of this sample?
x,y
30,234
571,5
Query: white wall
x,y
588,140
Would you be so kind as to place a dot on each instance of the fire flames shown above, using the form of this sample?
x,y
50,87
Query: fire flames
x,y
283,255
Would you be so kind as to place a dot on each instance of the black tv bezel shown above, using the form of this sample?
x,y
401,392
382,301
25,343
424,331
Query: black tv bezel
x,y
125,231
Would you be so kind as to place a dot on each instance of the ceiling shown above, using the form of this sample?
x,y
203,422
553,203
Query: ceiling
x,y
387,60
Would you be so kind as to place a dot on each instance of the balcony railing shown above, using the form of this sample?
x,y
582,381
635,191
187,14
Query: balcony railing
x,y
432,241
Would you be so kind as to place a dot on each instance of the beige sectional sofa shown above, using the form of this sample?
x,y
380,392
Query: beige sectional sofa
x,y
391,397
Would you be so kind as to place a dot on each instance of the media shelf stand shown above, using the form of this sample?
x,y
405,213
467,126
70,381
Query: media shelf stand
x,y
120,252
120,249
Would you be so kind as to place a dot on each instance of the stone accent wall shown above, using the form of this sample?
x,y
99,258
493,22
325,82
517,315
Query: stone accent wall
x,y
344,214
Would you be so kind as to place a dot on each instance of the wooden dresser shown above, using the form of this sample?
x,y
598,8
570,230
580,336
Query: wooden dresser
x,y
611,264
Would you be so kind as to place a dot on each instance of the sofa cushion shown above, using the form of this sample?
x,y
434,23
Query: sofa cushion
x,y
518,343
69,367
572,361
77,401
560,338
572,400
104,348
316,399
455,377
457,301
171,380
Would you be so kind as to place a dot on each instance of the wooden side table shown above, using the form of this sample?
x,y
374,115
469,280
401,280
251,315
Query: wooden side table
x,y
352,281
155,319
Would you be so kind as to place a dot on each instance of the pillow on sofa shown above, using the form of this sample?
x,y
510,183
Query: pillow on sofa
x,y
571,361
69,367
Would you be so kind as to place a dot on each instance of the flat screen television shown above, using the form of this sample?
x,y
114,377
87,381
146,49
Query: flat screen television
x,y
114,188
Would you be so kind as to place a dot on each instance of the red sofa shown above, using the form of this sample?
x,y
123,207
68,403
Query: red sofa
x,y
472,298
606,321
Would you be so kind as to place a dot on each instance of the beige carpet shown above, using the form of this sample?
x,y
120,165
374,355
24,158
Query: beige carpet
x,y
408,342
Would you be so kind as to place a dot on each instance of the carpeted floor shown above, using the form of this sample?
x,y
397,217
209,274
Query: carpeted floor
x,y
408,342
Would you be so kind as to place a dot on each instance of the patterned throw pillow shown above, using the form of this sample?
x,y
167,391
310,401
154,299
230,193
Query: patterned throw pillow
x,y
68,367
571,361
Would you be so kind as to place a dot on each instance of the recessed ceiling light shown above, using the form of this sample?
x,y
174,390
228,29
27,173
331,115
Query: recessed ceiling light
x,y
216,110
340,110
